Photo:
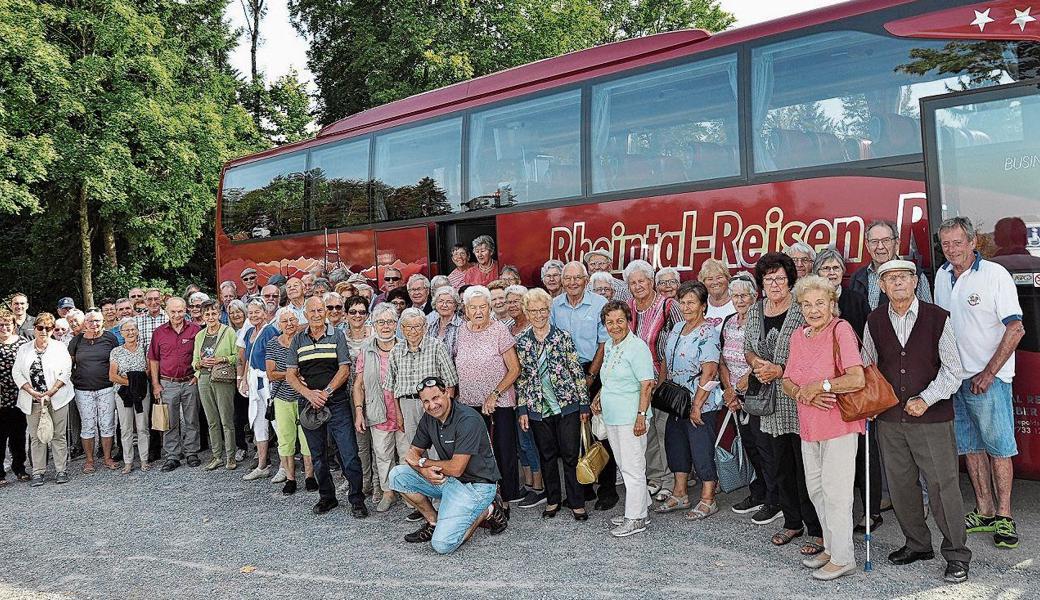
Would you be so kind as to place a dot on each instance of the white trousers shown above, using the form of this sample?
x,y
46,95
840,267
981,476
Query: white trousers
x,y
389,448
830,474
131,422
630,454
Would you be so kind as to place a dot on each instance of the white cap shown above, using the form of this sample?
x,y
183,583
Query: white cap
x,y
896,265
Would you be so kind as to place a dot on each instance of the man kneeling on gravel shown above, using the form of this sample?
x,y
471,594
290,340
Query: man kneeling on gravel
x,y
465,480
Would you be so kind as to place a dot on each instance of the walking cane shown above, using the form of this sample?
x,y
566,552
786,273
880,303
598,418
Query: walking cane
x,y
868,566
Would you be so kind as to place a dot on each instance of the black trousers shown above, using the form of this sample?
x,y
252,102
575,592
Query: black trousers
x,y
874,502
557,437
241,418
505,443
607,480
759,449
789,473
12,433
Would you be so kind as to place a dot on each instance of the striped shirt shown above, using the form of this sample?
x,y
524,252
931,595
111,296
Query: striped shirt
x,y
409,367
279,354
318,360
147,324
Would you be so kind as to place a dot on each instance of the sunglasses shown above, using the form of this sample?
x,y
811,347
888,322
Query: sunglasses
x,y
391,278
275,296
334,306
44,328
430,382
356,312
137,296
249,278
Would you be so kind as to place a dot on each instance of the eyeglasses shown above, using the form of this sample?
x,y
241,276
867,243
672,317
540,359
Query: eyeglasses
x,y
775,280
802,261
538,311
668,283
391,278
386,323
359,312
44,328
830,269
136,296
271,296
194,306
879,241
415,327
249,278
430,382
334,306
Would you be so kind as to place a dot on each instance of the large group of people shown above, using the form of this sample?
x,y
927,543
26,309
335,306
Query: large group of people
x,y
477,392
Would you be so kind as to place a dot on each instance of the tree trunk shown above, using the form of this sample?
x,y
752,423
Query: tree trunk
x,y
108,237
85,250
254,39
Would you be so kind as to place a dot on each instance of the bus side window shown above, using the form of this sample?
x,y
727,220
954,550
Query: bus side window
x,y
264,198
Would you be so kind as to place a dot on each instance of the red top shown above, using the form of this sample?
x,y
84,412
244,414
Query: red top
x,y
811,360
474,276
173,350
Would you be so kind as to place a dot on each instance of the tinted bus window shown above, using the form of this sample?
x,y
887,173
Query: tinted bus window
x,y
418,171
339,185
988,164
264,198
527,151
667,126
847,96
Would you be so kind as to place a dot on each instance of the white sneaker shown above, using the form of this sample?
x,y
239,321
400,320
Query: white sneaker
x,y
280,476
257,473
620,519
629,527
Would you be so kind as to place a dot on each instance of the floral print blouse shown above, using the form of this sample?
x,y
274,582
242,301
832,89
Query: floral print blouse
x,y
8,389
564,373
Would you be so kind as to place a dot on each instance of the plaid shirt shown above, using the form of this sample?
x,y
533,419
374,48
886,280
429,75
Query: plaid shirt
x,y
409,367
147,324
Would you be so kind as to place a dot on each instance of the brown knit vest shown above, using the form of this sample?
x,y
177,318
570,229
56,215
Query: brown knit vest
x,y
912,367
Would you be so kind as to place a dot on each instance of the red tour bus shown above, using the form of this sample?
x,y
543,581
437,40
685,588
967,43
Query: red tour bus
x,y
679,147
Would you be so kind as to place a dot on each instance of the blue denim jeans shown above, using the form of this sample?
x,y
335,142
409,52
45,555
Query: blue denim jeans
x,y
528,449
985,422
461,504
341,428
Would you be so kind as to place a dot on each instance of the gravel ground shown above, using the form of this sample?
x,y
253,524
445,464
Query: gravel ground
x,y
192,534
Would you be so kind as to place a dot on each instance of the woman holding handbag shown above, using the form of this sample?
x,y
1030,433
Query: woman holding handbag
x,y
128,362
628,380
553,401
214,363
43,373
825,361
767,341
252,372
690,368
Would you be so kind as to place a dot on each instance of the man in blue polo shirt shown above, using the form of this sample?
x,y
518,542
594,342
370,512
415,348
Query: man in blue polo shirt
x,y
987,320
577,311
319,356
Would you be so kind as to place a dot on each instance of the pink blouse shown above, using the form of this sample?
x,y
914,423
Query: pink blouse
x,y
481,366
811,360
474,276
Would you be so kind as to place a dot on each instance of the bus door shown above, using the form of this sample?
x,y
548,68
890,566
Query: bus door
x,y
982,161
463,232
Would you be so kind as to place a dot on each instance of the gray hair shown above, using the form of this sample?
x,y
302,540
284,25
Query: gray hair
x,y
412,313
801,247
828,254
420,278
197,297
639,265
74,313
358,287
438,281
93,311
484,240
552,264
891,225
384,307
256,301
331,296
516,289
63,322
962,223
339,274
446,290
229,284
667,271
601,276
511,269
742,282
125,321
285,309
474,291
578,264
237,304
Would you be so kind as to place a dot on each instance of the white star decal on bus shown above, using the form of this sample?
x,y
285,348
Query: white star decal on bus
x,y
1022,17
982,19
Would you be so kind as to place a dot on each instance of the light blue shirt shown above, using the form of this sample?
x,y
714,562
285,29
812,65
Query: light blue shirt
x,y
625,367
582,322
685,356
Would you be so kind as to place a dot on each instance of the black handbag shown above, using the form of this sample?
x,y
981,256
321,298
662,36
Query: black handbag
x,y
760,398
671,397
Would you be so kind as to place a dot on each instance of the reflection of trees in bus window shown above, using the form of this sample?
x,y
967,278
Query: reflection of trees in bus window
x,y
424,160
846,96
339,194
529,150
666,126
264,198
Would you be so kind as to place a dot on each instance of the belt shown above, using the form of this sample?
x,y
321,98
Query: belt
x,y
175,379
409,397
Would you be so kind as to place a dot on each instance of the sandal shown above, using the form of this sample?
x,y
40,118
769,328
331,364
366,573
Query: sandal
x,y
786,536
672,504
145,466
703,510
112,466
88,468
127,468
663,495
811,547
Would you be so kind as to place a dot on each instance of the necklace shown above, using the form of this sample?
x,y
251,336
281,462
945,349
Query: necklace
x,y
490,267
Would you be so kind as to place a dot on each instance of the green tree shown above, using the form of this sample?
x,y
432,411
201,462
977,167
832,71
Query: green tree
x,y
288,109
368,52
141,116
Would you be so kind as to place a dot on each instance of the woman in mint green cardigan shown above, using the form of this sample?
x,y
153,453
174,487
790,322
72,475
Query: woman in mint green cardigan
x,y
215,347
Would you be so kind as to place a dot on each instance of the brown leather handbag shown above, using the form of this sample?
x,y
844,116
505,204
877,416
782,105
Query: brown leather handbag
x,y
875,397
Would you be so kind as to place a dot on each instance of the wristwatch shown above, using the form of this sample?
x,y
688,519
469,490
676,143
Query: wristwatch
x,y
641,413
328,390
422,462
827,385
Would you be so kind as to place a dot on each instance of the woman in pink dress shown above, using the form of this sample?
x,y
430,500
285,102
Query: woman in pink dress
x,y
486,269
